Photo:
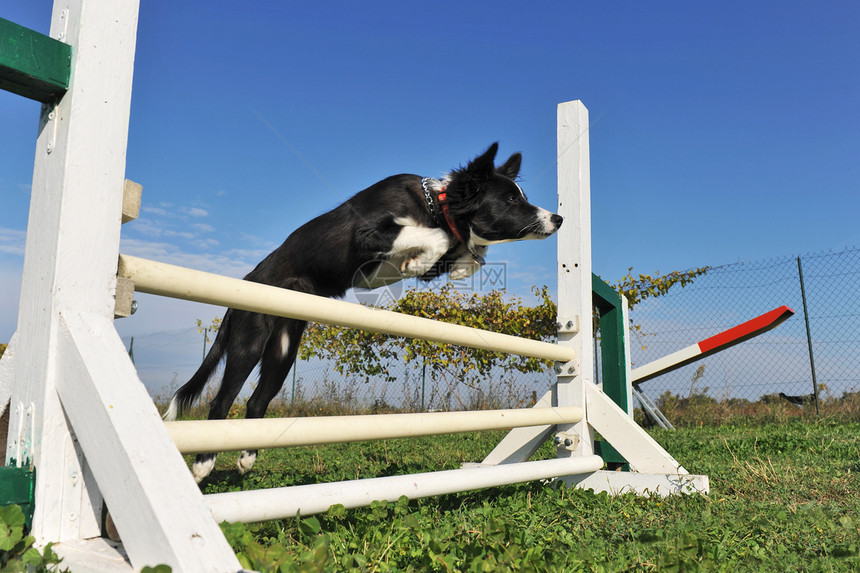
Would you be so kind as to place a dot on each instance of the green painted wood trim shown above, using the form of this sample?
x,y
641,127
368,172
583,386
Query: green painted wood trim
x,y
606,295
612,332
610,455
33,65
613,365
18,487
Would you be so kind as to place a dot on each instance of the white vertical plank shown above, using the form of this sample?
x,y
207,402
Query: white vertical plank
x,y
70,271
7,375
574,288
72,243
625,332
574,264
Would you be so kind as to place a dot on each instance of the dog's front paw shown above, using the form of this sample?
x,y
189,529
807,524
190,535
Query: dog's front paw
x,y
416,266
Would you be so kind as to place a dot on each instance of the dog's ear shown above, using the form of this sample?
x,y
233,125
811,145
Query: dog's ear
x,y
481,168
464,187
511,168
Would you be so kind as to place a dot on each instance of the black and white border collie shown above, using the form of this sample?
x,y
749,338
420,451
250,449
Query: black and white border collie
x,y
418,227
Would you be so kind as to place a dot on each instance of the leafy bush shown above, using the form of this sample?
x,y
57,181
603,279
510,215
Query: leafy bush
x,y
16,548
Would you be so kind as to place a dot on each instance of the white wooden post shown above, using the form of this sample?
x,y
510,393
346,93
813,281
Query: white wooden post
x,y
574,273
625,313
574,296
7,376
659,473
80,416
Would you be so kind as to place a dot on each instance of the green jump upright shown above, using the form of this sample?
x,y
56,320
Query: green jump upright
x,y
613,358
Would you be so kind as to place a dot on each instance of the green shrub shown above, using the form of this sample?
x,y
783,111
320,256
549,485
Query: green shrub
x,y
16,548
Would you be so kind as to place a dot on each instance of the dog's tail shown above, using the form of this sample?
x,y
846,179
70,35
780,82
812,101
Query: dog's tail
x,y
191,390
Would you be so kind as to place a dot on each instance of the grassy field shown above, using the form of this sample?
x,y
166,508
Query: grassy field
x,y
784,497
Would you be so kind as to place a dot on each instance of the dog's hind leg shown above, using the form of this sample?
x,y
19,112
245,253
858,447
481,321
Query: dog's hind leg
x,y
278,358
243,354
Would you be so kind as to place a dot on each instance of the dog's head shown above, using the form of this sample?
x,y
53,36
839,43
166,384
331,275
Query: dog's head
x,y
487,202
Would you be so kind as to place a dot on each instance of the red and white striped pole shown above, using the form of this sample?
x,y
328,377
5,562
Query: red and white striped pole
x,y
712,345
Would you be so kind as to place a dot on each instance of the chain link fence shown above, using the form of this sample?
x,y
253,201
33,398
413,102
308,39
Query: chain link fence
x,y
166,360
784,360
779,361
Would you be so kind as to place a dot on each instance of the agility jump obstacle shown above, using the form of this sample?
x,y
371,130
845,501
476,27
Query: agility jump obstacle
x,y
83,420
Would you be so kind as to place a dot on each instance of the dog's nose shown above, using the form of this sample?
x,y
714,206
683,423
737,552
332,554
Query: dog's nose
x,y
557,220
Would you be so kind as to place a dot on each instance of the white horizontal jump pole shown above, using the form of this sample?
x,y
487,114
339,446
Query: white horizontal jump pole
x,y
178,282
288,502
197,436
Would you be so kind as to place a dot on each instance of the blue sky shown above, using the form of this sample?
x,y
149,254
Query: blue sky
x,y
719,132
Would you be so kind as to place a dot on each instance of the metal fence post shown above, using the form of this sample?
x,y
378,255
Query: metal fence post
x,y
423,382
808,336
293,393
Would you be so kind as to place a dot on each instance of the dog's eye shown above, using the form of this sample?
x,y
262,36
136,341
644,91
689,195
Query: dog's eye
x,y
512,198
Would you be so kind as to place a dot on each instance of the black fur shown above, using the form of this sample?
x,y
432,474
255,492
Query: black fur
x,y
323,256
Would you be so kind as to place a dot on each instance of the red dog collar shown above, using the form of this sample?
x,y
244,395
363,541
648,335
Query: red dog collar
x,y
443,202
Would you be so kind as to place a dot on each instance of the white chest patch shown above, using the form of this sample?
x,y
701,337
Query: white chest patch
x,y
417,248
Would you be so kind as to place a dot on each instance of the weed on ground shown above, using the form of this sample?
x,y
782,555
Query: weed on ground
x,y
784,497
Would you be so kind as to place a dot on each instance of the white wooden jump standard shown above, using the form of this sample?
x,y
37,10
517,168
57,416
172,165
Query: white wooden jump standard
x,y
654,470
195,436
80,415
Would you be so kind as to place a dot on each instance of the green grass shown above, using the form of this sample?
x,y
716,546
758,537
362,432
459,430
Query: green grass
x,y
784,497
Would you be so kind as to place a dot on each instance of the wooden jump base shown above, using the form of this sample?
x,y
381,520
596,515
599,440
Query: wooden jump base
x,y
196,436
288,502
83,420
